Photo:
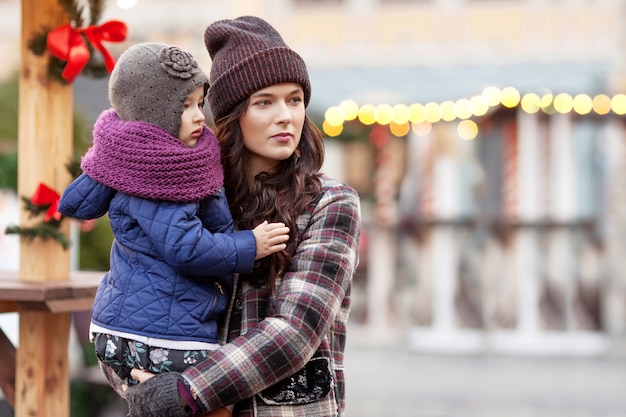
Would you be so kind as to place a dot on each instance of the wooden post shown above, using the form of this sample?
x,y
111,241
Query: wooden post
x,y
44,149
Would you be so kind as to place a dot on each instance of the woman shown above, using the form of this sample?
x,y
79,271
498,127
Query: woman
x,y
286,326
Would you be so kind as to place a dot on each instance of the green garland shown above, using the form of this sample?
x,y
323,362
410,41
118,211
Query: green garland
x,y
38,42
44,229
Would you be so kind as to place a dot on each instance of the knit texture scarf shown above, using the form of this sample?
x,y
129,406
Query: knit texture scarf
x,y
146,161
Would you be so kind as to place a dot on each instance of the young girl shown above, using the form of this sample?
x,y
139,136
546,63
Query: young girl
x,y
155,167
286,324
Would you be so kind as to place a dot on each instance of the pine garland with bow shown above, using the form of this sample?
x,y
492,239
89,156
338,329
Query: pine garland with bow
x,y
71,46
45,201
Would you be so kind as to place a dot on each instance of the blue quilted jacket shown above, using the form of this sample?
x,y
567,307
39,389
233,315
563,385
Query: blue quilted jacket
x,y
171,263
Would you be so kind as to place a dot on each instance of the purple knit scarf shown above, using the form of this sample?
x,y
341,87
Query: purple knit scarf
x,y
144,160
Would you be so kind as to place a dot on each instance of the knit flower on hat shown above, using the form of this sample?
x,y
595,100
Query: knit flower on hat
x,y
178,63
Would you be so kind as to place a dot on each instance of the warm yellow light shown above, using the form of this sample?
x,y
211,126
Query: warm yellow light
x,y
400,114
416,113
334,116
582,104
448,110
431,112
602,104
350,109
399,129
510,97
367,114
563,103
531,103
463,108
546,102
383,114
618,104
422,129
492,95
331,130
480,107
467,129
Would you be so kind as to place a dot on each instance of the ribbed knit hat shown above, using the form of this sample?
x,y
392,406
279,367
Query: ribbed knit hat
x,y
248,54
150,83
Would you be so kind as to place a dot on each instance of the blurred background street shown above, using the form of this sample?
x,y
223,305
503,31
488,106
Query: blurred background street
x,y
392,381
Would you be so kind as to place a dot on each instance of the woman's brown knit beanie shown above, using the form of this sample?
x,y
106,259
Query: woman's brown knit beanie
x,y
248,54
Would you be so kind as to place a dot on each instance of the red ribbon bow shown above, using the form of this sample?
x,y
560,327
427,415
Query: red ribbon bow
x,y
67,44
45,195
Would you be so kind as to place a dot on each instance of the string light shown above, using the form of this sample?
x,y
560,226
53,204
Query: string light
x,y
419,118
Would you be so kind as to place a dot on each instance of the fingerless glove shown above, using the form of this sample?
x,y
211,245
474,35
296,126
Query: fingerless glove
x,y
156,397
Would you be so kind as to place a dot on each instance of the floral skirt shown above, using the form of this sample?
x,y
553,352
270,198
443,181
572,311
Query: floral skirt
x,y
121,355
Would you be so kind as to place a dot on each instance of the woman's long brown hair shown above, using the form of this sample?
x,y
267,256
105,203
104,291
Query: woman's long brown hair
x,y
277,197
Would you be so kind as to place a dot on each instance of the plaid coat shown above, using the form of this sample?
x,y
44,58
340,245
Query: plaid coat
x,y
299,328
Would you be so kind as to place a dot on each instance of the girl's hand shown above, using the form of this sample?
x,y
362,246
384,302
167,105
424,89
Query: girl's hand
x,y
270,238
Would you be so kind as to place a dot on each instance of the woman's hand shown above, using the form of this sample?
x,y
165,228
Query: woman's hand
x,y
155,396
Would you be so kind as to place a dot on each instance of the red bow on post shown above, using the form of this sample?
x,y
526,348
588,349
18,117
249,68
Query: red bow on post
x,y
45,195
67,44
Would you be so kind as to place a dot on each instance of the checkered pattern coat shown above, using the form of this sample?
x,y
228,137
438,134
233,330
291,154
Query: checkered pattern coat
x,y
281,331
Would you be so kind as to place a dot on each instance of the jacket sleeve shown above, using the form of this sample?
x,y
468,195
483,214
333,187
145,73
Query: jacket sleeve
x,y
85,198
214,213
306,301
179,237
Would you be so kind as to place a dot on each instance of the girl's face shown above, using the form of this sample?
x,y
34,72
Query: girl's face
x,y
192,119
272,126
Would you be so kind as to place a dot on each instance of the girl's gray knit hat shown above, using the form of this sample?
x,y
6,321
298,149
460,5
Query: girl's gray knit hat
x,y
150,83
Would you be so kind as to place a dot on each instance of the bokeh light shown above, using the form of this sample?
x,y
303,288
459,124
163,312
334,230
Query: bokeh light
x,y
383,114
331,130
467,129
510,97
618,104
447,110
492,95
367,114
582,104
480,107
416,113
399,129
334,116
563,103
400,114
422,129
431,112
601,104
463,108
531,103
350,109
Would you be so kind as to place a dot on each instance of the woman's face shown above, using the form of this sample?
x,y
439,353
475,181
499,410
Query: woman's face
x,y
272,126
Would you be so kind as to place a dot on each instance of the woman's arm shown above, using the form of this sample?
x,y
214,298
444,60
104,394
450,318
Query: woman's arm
x,y
306,302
